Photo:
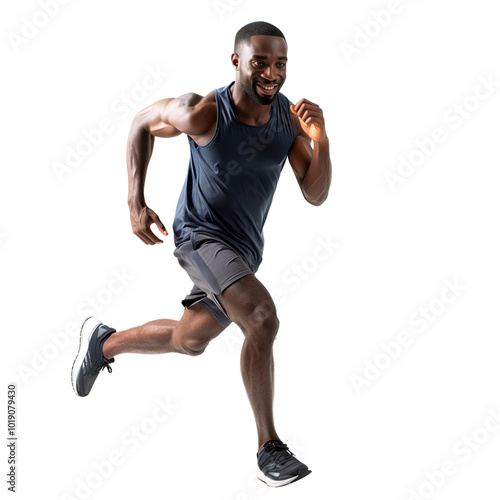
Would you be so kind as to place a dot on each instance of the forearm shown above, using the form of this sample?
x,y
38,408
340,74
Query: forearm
x,y
317,179
139,150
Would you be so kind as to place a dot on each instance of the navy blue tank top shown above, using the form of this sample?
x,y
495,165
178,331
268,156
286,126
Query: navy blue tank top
x,y
231,180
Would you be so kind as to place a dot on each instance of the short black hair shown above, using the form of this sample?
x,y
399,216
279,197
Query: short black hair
x,y
256,28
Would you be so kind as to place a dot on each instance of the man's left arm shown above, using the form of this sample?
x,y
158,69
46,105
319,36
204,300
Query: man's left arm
x,y
311,165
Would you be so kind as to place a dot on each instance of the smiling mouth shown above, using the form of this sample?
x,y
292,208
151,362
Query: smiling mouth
x,y
267,89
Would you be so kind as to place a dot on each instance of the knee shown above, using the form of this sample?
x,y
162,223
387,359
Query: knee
x,y
263,323
193,347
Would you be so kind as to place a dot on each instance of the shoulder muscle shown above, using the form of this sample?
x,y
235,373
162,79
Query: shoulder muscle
x,y
191,113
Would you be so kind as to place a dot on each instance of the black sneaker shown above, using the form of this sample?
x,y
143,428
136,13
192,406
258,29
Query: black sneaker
x,y
90,360
278,466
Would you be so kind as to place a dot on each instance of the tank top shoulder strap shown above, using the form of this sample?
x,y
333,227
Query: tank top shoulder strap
x,y
225,111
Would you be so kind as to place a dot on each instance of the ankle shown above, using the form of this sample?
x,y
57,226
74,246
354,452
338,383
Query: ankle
x,y
107,348
263,443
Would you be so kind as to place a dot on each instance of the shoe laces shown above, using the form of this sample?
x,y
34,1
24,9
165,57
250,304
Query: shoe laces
x,y
277,448
106,365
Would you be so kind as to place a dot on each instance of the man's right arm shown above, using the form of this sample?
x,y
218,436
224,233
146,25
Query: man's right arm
x,y
190,114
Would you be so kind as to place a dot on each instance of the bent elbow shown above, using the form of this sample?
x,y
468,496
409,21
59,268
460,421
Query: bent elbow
x,y
317,201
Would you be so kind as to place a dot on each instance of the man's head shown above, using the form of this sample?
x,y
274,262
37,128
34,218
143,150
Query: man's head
x,y
260,56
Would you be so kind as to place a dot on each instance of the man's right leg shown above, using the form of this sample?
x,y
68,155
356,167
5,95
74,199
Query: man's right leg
x,y
99,343
190,335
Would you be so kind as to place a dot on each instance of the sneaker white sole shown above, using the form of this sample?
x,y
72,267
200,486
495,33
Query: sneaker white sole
x,y
88,327
272,482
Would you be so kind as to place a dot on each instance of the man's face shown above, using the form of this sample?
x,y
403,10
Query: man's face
x,y
262,67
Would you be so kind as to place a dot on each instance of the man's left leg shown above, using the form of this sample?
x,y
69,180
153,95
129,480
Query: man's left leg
x,y
251,307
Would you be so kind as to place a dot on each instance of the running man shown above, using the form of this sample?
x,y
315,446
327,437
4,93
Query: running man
x,y
240,137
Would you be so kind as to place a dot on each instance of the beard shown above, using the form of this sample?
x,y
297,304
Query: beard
x,y
250,89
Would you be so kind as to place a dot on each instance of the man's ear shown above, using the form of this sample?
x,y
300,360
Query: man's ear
x,y
235,60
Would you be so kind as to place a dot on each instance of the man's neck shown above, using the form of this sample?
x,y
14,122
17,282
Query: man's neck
x,y
247,110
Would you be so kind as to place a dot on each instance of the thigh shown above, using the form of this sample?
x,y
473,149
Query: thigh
x,y
211,263
213,266
248,303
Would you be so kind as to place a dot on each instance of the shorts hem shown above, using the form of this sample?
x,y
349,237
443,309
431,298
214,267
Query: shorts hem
x,y
234,279
218,315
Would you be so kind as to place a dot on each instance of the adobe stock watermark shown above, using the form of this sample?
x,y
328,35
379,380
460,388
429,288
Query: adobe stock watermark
x,y
419,322
90,139
297,274
41,357
223,7
462,450
32,25
130,441
371,29
293,279
248,150
453,119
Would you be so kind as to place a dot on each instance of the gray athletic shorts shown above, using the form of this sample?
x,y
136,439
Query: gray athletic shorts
x,y
212,265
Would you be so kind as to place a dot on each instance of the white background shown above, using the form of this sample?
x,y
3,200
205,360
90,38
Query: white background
x,y
62,238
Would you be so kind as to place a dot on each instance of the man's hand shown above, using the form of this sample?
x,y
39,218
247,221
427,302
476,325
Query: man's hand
x,y
141,225
311,119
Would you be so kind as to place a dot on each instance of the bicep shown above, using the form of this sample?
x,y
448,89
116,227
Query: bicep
x,y
153,120
170,117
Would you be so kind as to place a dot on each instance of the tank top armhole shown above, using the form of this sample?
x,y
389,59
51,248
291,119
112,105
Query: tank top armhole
x,y
296,128
217,123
